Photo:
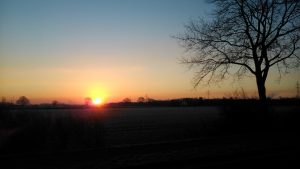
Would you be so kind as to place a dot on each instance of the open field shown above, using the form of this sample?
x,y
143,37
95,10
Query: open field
x,y
154,137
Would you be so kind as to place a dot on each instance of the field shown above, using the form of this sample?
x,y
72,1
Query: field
x,y
148,137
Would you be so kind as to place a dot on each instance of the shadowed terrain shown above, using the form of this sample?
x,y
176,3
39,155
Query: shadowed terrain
x,y
154,137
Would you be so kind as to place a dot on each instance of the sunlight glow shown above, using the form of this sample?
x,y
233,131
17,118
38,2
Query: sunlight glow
x,y
98,93
97,101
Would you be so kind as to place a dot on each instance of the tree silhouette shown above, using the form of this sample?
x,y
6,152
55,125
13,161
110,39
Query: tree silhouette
x,y
87,101
127,100
3,100
23,101
244,37
140,100
54,103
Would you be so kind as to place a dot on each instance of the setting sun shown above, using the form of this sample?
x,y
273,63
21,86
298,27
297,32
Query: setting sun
x,y
97,101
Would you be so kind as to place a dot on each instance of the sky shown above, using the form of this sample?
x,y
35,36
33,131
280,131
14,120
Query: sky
x,y
67,50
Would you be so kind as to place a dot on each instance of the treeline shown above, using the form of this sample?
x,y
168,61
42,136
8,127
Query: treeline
x,y
205,102
181,102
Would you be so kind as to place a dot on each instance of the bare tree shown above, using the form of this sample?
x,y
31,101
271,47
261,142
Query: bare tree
x,y
140,100
126,100
54,103
23,101
244,37
3,100
88,101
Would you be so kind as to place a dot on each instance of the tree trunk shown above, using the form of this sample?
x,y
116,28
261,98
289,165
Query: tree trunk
x,y
261,89
263,106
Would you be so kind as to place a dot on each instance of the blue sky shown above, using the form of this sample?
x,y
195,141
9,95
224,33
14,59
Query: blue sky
x,y
53,28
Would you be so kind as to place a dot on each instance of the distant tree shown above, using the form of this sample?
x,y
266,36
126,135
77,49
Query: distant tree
x,y
54,102
88,101
127,100
3,100
150,99
244,37
141,100
23,101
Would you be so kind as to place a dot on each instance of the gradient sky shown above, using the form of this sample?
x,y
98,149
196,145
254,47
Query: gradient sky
x,y
67,50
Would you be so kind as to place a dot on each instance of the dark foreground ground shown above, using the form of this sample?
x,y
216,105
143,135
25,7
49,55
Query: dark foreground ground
x,y
164,137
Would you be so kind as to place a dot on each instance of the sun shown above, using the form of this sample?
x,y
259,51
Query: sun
x,y
97,101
